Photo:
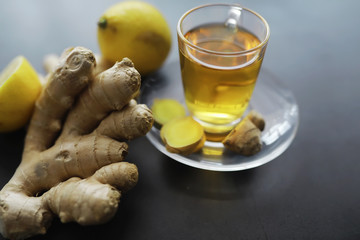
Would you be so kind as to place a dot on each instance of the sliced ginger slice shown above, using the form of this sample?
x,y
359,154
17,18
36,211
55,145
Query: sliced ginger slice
x,y
166,109
183,135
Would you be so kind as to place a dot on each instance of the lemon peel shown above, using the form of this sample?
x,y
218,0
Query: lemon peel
x,y
136,30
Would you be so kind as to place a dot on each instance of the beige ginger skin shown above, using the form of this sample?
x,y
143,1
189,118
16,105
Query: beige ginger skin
x,y
72,165
245,138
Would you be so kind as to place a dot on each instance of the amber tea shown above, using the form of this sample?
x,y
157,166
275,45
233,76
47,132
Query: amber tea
x,y
221,49
218,88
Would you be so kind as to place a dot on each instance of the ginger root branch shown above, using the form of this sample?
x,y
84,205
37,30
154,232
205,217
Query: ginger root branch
x,y
72,161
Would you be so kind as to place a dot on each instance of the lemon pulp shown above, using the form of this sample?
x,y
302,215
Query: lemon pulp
x,y
19,89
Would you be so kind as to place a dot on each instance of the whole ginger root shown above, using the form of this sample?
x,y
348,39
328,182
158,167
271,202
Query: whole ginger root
x,y
72,161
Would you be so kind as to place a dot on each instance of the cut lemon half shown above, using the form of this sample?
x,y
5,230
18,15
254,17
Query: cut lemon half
x,y
19,88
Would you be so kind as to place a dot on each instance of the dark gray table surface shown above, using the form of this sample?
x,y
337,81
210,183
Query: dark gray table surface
x,y
311,191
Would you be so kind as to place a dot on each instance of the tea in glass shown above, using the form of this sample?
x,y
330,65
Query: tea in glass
x,y
220,60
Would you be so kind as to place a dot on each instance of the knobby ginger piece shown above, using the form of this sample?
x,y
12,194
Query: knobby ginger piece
x,y
74,147
52,60
245,138
183,135
257,119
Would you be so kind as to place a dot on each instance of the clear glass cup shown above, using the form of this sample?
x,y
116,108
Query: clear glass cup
x,y
221,49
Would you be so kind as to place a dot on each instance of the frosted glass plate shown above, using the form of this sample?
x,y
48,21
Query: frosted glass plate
x,y
271,98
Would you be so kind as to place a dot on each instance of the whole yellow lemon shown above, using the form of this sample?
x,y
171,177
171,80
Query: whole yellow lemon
x,y
136,30
19,88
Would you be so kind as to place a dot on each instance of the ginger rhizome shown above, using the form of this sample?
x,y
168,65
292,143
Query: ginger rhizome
x,y
183,135
166,109
72,165
245,138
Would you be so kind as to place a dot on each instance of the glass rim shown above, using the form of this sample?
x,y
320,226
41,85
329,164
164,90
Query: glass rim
x,y
187,42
